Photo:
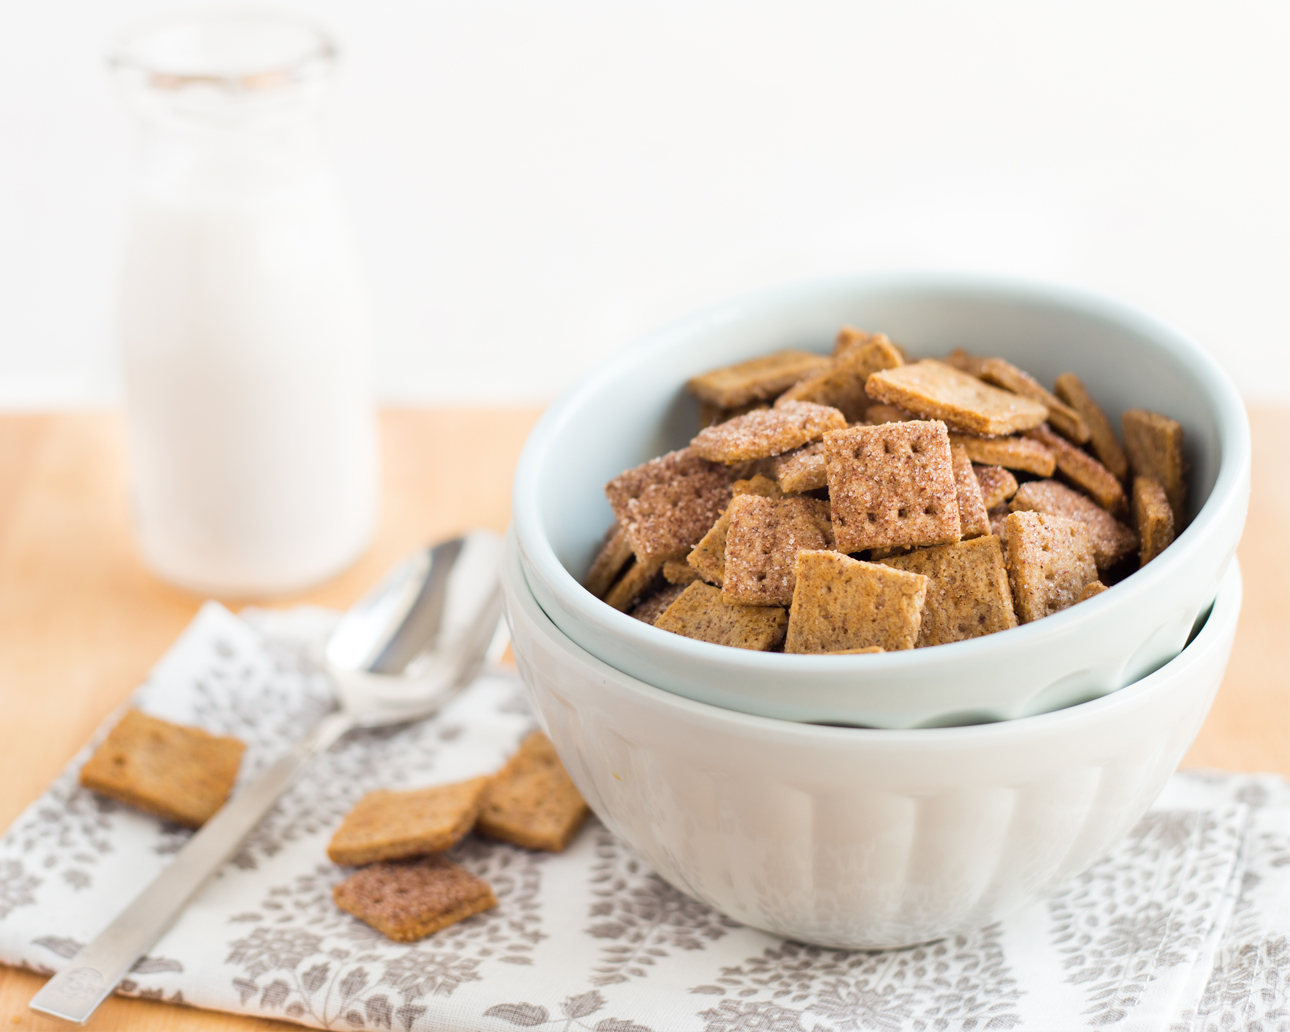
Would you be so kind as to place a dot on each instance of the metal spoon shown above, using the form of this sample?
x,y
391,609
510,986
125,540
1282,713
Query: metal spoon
x,y
401,652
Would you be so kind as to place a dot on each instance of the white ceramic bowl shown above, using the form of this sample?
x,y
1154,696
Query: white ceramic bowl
x,y
634,408
854,837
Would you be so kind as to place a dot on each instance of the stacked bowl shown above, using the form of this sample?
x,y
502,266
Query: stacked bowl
x,y
878,800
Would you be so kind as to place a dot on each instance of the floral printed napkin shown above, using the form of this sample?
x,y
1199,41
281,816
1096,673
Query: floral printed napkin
x,y
1184,927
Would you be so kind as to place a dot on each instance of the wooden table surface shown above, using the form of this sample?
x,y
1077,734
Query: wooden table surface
x,y
82,620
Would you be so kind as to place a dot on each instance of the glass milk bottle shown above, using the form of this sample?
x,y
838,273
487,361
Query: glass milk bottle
x,y
243,321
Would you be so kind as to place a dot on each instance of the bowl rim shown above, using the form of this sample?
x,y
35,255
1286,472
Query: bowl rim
x,y
1231,425
1221,618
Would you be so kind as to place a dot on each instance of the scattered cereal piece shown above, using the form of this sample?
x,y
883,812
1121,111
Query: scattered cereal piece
x,y
841,604
892,485
997,484
802,469
678,571
973,521
636,580
1112,541
609,561
408,901
766,432
532,801
651,607
842,385
1010,452
1154,444
667,504
762,543
1102,437
1050,562
700,613
875,415
387,825
1154,517
758,379
967,590
934,390
1081,469
1064,419
177,772
1096,588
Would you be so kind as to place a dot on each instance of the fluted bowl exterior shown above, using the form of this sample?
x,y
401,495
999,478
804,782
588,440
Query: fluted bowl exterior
x,y
862,838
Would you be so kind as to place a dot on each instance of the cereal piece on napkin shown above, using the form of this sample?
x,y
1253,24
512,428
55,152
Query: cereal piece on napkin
x,y
842,385
701,614
766,432
1009,452
1154,444
678,571
967,590
1081,469
933,390
389,825
758,379
635,582
1050,562
1102,437
1154,517
668,503
840,604
802,469
609,561
764,537
1063,418
532,801
177,772
876,415
892,485
973,520
1111,539
997,484
708,558
406,901
1095,588
651,607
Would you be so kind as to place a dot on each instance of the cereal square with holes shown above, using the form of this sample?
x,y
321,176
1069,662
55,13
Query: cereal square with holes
x,y
841,604
762,543
892,485
766,432
1050,563
667,504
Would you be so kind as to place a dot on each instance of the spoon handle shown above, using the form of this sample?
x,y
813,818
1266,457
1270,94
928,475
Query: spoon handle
x,y
75,992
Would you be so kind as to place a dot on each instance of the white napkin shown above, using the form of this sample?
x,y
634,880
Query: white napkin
x,y
1185,926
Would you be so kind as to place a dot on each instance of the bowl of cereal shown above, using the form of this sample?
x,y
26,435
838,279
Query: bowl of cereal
x,y
899,526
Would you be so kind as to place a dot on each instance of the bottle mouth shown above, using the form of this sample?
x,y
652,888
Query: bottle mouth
x,y
245,51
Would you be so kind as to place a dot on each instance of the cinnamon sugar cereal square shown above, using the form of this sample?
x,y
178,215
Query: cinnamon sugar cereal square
x,y
1096,588
700,613
849,337
973,521
967,590
1112,541
966,362
1050,562
766,432
406,901
1154,517
997,484
1081,469
708,558
667,504
610,560
762,543
389,825
802,469
1064,419
532,802
651,607
1155,447
177,772
842,385
933,390
758,379
1102,437
678,571
840,604
636,580
1009,452
892,485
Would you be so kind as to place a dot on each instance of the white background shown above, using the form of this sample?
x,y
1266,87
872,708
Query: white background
x,y
533,185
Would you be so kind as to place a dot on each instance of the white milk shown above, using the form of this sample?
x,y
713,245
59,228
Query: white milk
x,y
245,338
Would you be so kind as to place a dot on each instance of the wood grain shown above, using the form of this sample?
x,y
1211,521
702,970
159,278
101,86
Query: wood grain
x,y
81,619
